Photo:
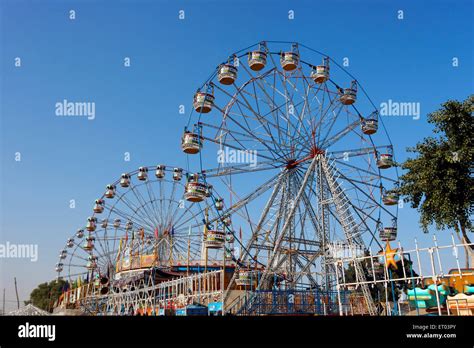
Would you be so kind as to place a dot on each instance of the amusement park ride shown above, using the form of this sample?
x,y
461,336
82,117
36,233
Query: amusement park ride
x,y
291,234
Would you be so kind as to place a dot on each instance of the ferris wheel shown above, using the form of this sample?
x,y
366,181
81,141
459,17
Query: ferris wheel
x,y
298,146
151,217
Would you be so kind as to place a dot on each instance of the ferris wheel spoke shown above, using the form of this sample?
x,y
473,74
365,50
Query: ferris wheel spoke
x,y
357,152
324,113
331,124
258,81
134,219
143,203
249,131
169,216
162,199
338,136
130,206
361,190
100,253
193,216
239,169
274,108
305,111
278,109
245,135
365,171
257,115
253,195
284,82
242,148
153,200
137,213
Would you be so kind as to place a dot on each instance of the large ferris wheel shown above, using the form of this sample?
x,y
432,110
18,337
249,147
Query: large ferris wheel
x,y
303,165
288,134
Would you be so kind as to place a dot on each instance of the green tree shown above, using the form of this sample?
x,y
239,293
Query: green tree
x,y
438,181
46,294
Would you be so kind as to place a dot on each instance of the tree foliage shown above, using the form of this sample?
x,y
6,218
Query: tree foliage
x,y
438,181
46,294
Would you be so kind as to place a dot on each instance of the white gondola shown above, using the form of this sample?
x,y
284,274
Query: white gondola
x,y
390,197
142,173
203,102
129,225
88,243
99,206
160,171
229,238
214,239
70,243
219,204
191,143
388,234
385,161
104,223
125,180
349,95
320,73
227,74
227,220
110,191
195,190
91,262
63,254
229,253
209,190
258,59
245,278
80,233
91,223
289,60
369,126
59,267
117,223
177,174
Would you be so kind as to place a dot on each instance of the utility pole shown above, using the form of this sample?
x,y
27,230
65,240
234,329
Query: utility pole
x,y
17,298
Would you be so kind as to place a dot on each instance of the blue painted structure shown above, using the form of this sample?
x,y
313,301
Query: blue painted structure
x,y
294,302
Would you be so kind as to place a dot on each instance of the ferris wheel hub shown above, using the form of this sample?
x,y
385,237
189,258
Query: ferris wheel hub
x,y
315,151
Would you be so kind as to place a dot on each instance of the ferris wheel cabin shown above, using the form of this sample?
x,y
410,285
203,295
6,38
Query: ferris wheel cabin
x,y
203,102
160,171
349,95
191,143
227,74
369,126
257,60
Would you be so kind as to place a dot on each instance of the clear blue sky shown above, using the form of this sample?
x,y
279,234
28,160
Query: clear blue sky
x,y
137,107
